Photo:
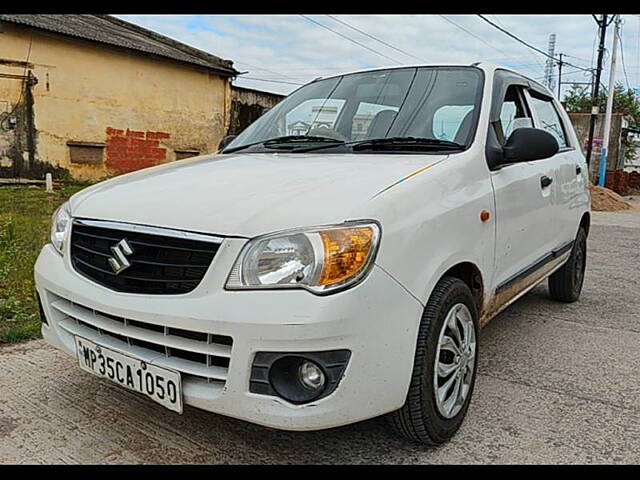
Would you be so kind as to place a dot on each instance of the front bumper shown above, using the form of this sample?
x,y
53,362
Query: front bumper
x,y
376,320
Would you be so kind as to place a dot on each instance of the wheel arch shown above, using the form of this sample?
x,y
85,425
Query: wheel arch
x,y
471,275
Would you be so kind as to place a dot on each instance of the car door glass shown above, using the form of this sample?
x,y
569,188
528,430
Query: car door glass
x,y
513,114
548,118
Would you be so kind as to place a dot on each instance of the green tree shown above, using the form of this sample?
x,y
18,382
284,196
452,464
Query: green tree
x,y
578,100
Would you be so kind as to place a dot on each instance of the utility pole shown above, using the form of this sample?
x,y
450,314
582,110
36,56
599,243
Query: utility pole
x,y
607,118
559,75
596,86
548,71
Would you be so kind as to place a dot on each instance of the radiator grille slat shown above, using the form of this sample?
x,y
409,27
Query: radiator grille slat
x,y
194,353
140,330
165,265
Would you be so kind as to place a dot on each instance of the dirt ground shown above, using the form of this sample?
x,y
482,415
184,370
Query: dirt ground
x,y
557,383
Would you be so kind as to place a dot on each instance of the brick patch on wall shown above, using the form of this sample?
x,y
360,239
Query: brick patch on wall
x,y
129,150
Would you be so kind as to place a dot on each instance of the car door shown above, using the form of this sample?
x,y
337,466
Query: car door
x,y
524,194
569,166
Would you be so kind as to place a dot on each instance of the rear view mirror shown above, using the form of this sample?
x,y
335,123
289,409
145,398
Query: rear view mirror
x,y
527,144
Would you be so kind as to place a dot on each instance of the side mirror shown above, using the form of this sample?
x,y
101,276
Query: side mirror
x,y
527,144
226,141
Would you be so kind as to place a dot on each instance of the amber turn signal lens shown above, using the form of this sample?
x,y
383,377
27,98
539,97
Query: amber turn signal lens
x,y
346,251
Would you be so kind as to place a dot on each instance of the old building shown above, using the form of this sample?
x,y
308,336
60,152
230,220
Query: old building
x,y
615,154
92,96
247,105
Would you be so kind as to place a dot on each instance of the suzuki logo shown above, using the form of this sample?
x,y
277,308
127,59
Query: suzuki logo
x,y
119,260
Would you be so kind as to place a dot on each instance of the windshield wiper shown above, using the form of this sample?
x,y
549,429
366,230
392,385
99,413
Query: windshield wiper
x,y
291,141
287,142
402,143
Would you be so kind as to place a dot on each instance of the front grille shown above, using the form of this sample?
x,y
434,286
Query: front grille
x,y
196,355
159,264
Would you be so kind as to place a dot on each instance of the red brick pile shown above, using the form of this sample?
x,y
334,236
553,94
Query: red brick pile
x,y
622,182
618,181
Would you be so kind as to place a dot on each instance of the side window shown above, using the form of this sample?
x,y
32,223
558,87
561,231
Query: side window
x,y
549,118
513,114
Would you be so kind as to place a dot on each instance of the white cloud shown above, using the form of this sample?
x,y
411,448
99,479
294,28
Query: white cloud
x,y
288,48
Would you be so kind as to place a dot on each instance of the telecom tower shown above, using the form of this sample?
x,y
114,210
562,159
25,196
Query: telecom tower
x,y
548,71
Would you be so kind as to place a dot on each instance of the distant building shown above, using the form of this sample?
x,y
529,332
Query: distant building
x,y
298,128
247,105
615,154
361,124
323,116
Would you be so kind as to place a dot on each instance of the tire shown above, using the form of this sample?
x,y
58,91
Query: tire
x,y
421,418
565,284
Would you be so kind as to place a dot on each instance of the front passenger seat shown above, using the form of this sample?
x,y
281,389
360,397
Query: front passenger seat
x,y
381,124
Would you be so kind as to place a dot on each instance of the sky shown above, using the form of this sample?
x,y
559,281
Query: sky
x,y
281,52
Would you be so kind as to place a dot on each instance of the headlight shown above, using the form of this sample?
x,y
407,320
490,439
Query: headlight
x,y
321,260
60,226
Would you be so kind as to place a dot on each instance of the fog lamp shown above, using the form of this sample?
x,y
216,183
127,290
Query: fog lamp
x,y
311,375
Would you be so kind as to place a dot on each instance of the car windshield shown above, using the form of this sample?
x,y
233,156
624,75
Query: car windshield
x,y
407,109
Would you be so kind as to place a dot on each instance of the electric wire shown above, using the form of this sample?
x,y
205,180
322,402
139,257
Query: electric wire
x,y
624,68
350,39
376,39
267,80
24,74
506,32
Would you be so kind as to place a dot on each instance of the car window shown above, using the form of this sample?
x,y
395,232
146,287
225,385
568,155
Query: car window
x,y
376,104
513,114
549,118
448,119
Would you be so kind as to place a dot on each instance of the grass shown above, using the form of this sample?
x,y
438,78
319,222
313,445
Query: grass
x,y
25,217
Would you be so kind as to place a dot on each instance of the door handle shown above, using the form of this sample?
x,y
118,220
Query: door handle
x,y
545,181
578,169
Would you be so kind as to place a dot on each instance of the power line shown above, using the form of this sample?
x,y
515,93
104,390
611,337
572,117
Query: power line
x,y
350,39
506,32
24,76
267,80
472,34
530,53
267,70
377,39
563,74
624,68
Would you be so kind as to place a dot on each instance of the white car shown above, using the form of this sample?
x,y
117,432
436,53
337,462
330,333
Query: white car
x,y
336,260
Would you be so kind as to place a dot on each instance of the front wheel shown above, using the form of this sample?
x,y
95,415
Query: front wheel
x,y
566,283
444,369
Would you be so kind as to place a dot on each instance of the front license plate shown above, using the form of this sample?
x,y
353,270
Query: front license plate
x,y
159,384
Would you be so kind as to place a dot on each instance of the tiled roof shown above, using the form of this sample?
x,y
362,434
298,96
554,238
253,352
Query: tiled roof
x,y
110,30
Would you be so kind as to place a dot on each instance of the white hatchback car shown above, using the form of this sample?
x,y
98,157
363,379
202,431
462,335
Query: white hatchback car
x,y
336,260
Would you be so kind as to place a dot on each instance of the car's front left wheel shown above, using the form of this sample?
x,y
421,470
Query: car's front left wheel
x,y
565,284
444,367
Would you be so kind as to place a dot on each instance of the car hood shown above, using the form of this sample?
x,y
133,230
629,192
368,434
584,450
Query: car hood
x,y
249,194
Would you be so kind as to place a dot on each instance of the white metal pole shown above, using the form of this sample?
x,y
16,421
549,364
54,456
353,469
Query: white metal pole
x,y
607,119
